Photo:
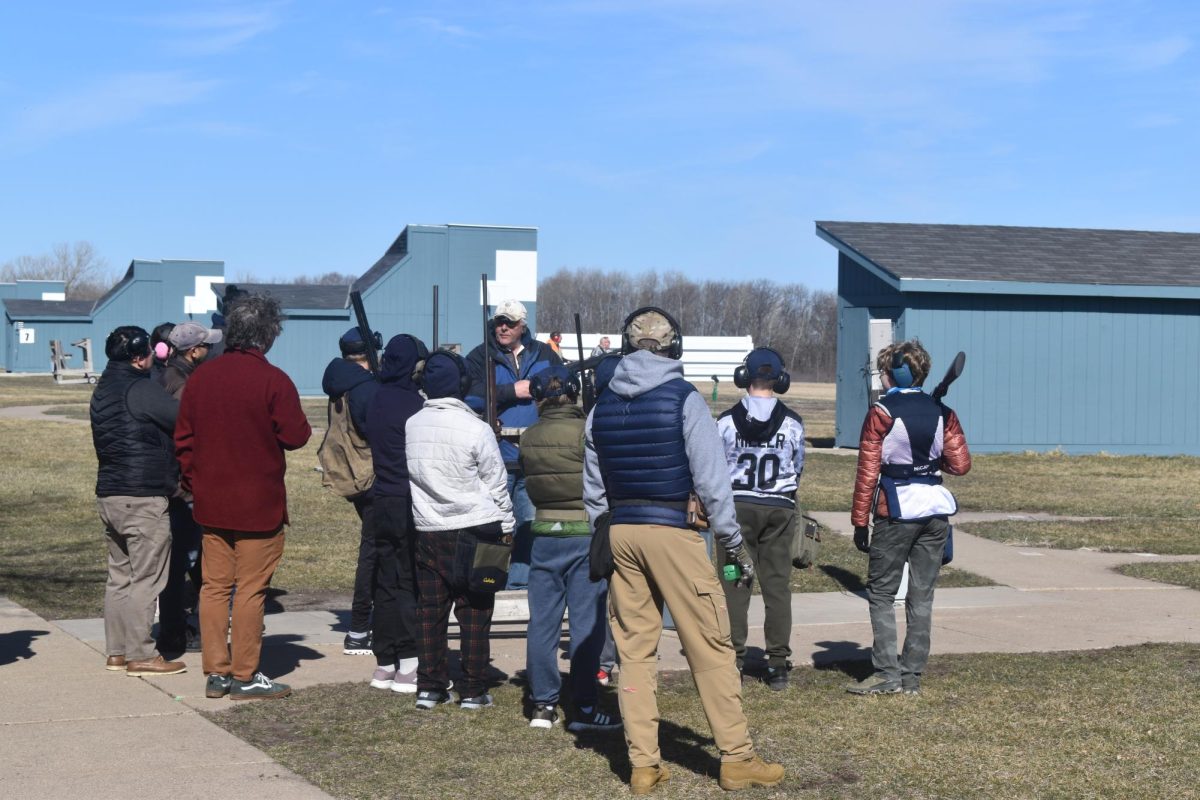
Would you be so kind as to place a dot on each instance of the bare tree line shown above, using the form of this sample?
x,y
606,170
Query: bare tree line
x,y
85,275
798,322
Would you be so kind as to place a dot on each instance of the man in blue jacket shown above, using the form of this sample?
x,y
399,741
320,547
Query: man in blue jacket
x,y
517,357
388,523
350,376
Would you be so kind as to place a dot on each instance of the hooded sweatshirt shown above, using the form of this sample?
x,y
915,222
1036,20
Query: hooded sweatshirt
x,y
638,373
396,400
342,376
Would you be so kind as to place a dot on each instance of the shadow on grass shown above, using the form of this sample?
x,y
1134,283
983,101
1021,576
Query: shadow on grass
x,y
18,645
850,581
680,745
849,658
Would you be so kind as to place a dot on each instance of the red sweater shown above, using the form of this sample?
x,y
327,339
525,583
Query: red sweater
x,y
236,418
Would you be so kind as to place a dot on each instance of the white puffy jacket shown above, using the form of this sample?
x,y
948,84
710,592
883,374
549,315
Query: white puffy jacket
x,y
455,469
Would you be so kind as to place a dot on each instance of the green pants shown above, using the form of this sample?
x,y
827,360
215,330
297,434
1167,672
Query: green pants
x,y
767,531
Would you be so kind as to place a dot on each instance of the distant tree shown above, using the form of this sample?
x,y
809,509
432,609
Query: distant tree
x,y
798,322
323,279
85,275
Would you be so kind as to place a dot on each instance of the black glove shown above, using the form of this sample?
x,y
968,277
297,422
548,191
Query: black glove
x,y
741,557
862,538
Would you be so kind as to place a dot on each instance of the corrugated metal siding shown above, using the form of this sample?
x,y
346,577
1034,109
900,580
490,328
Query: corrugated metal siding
x,y
861,297
36,357
1081,374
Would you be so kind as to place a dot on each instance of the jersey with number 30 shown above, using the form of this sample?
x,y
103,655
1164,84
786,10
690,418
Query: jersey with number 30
x,y
765,457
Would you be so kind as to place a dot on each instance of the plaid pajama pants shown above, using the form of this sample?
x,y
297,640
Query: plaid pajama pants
x,y
443,567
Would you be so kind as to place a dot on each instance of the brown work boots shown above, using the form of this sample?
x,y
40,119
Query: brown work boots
x,y
644,779
154,666
744,774
734,775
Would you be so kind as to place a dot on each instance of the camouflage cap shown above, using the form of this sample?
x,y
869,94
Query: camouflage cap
x,y
652,330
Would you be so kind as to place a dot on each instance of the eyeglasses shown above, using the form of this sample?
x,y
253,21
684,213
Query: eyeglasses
x,y
505,322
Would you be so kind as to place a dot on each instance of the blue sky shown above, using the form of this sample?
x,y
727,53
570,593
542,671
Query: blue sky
x,y
300,137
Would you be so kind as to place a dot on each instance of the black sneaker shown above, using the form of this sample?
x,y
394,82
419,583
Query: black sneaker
x,y
260,687
217,686
193,640
430,698
777,678
475,703
357,645
544,716
595,721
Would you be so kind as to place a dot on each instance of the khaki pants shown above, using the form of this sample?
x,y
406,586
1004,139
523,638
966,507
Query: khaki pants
x,y
657,564
245,561
139,549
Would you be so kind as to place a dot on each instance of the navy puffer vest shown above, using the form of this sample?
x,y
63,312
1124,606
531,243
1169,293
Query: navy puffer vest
x,y
913,448
136,458
640,446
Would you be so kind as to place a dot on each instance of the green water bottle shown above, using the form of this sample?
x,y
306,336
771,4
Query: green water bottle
x,y
731,572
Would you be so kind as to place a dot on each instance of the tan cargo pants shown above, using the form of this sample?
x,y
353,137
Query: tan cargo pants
x,y
657,564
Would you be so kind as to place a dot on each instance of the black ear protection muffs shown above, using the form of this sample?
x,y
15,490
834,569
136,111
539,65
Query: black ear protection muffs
x,y
127,343
742,377
570,386
464,376
673,350
901,373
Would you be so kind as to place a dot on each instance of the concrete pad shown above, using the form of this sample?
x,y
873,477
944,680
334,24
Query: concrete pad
x,y
116,735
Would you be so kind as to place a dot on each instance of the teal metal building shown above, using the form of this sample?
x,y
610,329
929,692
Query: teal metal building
x,y
397,293
1083,341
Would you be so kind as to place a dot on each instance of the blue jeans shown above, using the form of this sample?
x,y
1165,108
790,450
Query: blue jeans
x,y
518,570
558,578
184,563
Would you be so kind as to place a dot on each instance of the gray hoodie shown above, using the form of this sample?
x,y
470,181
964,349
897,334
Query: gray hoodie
x,y
638,373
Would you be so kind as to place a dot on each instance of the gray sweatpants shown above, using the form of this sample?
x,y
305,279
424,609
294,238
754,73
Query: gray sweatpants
x,y
893,544
139,548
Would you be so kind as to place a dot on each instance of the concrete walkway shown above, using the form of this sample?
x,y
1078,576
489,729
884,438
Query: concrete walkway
x,y
54,692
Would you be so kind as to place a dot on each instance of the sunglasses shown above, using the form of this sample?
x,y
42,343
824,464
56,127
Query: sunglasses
x,y
507,323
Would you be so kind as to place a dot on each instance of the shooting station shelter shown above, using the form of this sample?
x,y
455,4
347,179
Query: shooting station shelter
x,y
1081,340
397,293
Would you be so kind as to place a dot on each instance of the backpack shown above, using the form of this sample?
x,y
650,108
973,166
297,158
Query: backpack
x,y
344,454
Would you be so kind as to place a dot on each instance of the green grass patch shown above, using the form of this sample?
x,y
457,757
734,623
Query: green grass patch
x,y
841,568
1094,724
41,390
1182,573
1163,536
1100,486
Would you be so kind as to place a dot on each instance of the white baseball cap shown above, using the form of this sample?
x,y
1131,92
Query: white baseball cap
x,y
513,309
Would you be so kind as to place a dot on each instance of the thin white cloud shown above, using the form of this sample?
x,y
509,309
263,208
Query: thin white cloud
x,y
1153,54
117,100
219,30
441,26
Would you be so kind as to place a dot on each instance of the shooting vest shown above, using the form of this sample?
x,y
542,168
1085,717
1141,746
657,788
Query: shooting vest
x,y
910,473
643,456
136,458
552,460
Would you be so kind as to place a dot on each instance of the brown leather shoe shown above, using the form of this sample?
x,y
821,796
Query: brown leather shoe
x,y
744,774
154,666
115,663
644,779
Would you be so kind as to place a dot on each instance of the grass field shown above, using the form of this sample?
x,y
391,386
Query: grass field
x,y
40,390
1162,535
1185,573
1118,723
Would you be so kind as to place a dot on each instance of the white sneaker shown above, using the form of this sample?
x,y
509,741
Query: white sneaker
x,y
383,678
405,682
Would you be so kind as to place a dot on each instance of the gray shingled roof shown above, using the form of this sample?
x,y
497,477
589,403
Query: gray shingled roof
x,y
48,308
397,251
1037,255
296,295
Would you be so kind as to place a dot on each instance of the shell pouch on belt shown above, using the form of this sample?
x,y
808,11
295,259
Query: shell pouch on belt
x,y
489,567
911,499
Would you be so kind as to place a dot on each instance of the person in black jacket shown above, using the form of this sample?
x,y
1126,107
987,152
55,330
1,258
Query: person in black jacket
x,y
389,523
132,421
350,377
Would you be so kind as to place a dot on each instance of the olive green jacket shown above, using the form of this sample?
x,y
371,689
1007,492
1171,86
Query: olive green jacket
x,y
552,460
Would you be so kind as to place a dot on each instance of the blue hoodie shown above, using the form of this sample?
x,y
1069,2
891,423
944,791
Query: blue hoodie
x,y
342,376
396,401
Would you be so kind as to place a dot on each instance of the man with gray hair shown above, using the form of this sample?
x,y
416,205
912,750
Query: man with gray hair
x,y
653,461
238,416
